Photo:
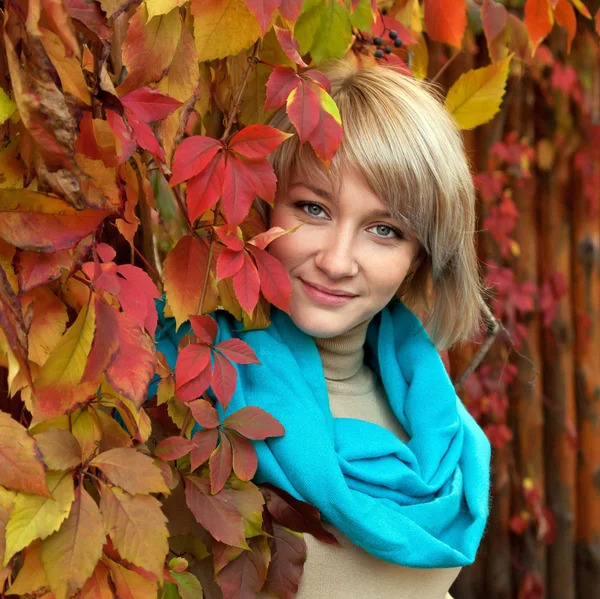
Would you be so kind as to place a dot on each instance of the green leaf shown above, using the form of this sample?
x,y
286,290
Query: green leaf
x,y
7,106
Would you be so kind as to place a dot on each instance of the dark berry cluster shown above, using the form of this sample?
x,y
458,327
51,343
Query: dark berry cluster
x,y
378,41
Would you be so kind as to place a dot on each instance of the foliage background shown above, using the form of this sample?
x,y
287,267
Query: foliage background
x,y
98,216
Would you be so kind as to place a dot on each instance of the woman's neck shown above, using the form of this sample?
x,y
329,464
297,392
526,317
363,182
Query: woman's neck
x,y
343,356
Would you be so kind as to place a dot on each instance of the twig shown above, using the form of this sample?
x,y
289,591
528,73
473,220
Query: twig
x,y
444,67
494,326
238,100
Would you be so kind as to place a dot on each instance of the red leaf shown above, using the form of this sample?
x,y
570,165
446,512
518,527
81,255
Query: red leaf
x,y
274,281
538,20
494,17
326,137
216,513
303,108
387,23
143,134
229,238
192,361
245,460
149,104
254,423
205,441
319,78
446,20
106,340
295,514
257,141
136,296
229,263
288,554
133,366
196,387
122,134
204,190
291,9
106,252
192,156
220,463
204,414
282,81
205,327
238,351
263,11
244,576
242,183
173,448
246,284
289,45
223,380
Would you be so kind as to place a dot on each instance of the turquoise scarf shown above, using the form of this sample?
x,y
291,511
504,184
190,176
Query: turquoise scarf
x,y
423,503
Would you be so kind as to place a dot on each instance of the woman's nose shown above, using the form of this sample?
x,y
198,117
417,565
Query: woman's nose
x,y
336,256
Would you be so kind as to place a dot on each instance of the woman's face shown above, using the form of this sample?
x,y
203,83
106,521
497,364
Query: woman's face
x,y
348,258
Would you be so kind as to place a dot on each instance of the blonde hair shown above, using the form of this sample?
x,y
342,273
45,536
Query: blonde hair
x,y
405,144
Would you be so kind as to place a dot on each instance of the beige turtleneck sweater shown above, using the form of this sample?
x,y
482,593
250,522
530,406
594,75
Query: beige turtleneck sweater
x,y
349,572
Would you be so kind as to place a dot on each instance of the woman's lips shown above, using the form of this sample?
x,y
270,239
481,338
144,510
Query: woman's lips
x,y
324,297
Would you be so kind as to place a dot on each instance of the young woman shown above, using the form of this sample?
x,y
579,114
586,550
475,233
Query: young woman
x,y
376,437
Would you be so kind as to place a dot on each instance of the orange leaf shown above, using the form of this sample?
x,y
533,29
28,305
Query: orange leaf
x,y
59,448
137,527
131,470
97,585
31,576
173,448
446,20
36,221
38,268
185,269
21,466
257,141
132,368
129,584
564,13
538,20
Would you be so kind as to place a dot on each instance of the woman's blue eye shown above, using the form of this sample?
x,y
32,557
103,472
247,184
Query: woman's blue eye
x,y
312,209
384,231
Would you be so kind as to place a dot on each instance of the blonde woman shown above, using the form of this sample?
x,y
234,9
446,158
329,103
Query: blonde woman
x,y
376,437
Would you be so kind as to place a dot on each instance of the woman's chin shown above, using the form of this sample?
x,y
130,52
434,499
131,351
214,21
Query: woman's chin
x,y
323,325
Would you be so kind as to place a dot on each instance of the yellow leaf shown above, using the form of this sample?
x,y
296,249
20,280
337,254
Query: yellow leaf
x,y
66,364
59,448
70,555
100,188
68,67
7,499
34,517
48,324
476,97
149,47
420,58
129,584
135,419
7,106
166,390
223,28
132,470
31,577
161,7
177,411
137,527
86,429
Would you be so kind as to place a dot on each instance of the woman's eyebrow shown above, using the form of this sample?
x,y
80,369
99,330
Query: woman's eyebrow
x,y
316,190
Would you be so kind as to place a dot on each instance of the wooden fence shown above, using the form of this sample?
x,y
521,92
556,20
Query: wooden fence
x,y
543,538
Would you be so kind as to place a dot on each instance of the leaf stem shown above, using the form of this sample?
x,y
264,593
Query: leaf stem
x,y
445,66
